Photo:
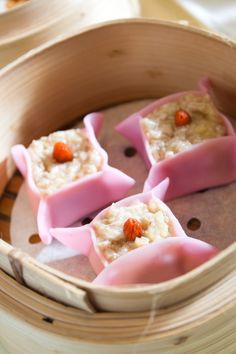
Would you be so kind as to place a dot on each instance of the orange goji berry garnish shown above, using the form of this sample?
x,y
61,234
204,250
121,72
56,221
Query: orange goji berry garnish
x,y
182,118
62,152
132,228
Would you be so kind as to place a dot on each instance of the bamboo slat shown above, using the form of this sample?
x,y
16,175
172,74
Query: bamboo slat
x,y
180,329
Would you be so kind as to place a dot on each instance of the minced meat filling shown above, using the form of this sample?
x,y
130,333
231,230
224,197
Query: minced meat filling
x,y
48,174
166,139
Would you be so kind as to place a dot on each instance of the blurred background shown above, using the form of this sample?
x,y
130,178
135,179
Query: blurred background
x,y
217,15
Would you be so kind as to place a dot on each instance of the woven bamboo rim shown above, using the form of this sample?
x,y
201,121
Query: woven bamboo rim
x,y
134,62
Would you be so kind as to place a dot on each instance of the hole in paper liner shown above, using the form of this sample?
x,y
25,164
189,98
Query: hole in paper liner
x,y
130,151
193,224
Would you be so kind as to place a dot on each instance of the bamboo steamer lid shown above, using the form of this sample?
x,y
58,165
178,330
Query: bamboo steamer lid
x,y
105,65
38,21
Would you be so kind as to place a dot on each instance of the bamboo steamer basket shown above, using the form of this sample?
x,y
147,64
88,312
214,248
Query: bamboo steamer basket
x,y
46,310
37,21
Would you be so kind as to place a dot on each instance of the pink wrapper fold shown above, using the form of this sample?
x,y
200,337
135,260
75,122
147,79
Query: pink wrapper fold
x,y
83,239
77,199
206,165
156,262
200,167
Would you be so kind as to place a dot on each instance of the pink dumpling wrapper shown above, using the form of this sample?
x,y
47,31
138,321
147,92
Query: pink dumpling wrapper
x,y
83,239
206,165
200,155
78,198
156,262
